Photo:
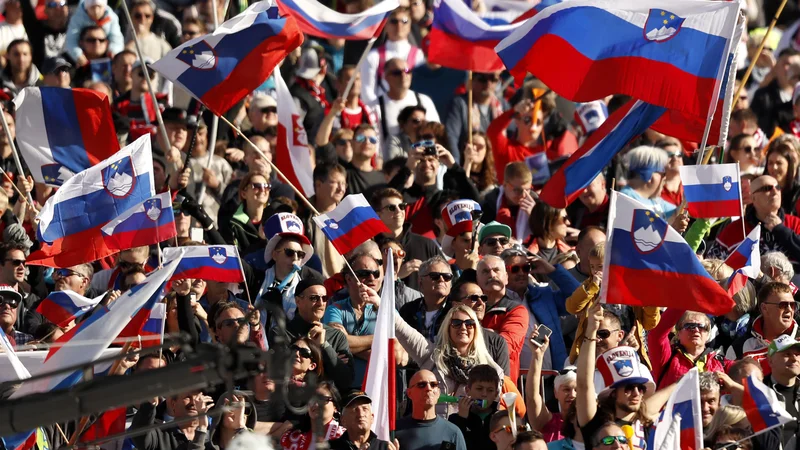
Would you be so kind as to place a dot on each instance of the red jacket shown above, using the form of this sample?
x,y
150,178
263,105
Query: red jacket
x,y
784,238
510,320
669,362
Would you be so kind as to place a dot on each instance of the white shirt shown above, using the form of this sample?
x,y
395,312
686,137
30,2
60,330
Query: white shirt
x,y
370,89
392,109
10,33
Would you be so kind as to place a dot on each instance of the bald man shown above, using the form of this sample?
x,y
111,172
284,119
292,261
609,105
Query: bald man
x,y
780,231
424,430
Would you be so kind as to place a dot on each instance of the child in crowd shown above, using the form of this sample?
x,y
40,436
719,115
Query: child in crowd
x,y
476,408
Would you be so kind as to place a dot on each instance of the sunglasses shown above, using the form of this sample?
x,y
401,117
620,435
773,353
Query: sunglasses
x,y
16,262
730,444
395,208
126,265
437,276
747,149
397,21
140,16
605,334
364,273
424,384
64,273
313,298
12,302
270,110
766,188
487,79
519,267
398,72
361,138
302,351
509,430
261,186
475,298
695,326
783,305
457,323
640,387
94,40
609,440
294,254
227,323
324,400
491,242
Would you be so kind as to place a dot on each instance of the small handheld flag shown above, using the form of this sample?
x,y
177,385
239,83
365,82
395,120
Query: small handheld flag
x,y
61,307
762,407
149,222
351,224
712,190
314,19
745,260
214,263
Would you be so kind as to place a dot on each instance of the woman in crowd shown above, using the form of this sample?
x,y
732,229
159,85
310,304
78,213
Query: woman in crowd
x,y
243,227
549,229
478,163
782,158
743,150
323,406
307,360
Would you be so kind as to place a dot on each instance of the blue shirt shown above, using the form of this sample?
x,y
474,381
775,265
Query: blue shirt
x,y
659,205
342,312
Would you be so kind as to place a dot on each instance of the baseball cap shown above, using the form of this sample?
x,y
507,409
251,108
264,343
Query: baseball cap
x,y
494,227
175,115
261,101
308,65
781,343
52,64
8,292
138,64
353,396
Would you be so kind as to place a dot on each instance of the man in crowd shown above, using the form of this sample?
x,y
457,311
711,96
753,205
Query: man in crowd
x,y
424,429
127,260
10,300
493,239
13,273
784,362
357,418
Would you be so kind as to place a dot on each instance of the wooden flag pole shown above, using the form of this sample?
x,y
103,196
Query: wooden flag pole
x,y
13,149
468,168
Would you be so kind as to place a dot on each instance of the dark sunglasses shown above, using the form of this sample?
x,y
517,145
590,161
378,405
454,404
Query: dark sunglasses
x,y
747,149
64,273
364,273
766,188
475,298
609,440
694,326
94,40
361,138
457,323
227,323
733,445
302,351
395,208
12,302
436,276
424,384
604,334
487,78
640,387
519,267
141,16
783,305
16,262
261,186
270,109
491,242
397,21
398,72
324,400
125,265
314,298
509,430
291,253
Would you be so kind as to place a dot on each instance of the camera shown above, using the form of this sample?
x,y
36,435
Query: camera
x,y
429,150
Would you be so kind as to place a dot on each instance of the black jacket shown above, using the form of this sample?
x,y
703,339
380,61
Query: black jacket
x,y
167,439
475,430
771,110
44,40
344,443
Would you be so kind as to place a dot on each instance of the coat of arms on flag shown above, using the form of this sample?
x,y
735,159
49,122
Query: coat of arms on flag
x,y
199,55
119,178
152,208
649,230
661,25
55,174
218,254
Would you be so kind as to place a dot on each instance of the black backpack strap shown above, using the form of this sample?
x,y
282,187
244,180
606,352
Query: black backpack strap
x,y
384,125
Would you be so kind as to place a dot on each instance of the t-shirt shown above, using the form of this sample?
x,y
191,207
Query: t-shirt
x,y
552,429
428,434
342,312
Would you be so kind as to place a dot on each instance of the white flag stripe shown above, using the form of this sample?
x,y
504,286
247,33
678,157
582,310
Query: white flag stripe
x,y
708,174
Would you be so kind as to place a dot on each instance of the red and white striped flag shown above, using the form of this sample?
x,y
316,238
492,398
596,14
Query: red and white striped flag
x,y
292,156
381,366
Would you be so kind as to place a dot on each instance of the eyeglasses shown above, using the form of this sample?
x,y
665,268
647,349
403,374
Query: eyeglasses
x,y
457,323
227,323
397,21
313,298
609,440
491,242
302,351
733,445
55,4
424,384
261,186
325,399
361,138
487,78
783,305
16,262
509,430
605,334
475,298
127,265
398,72
140,16
64,273
338,142
364,273
437,276
395,208
519,267
425,143
94,40
640,387
694,326
747,149
294,254
766,188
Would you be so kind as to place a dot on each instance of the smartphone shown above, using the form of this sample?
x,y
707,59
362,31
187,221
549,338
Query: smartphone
x,y
544,332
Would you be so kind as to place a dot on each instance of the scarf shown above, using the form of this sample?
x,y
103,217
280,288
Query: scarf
x,y
459,366
364,117
299,440
287,291
795,127
316,91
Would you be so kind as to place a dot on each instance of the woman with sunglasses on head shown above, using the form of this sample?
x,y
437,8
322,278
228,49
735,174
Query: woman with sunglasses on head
x,y
744,150
322,409
244,225
782,164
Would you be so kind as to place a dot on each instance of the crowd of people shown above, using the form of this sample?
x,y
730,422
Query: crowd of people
x,y
496,291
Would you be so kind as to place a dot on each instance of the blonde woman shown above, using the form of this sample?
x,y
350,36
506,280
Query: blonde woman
x,y
726,416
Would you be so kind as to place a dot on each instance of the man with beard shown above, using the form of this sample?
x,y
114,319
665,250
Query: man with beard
x,y
507,317
424,430
357,418
190,434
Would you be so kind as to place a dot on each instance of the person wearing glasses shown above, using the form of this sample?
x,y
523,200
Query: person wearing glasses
x,y
673,188
306,359
743,150
127,261
425,429
610,436
493,239
10,300
243,228
784,363
153,45
361,175
425,315
501,432
47,36
321,410
92,12
13,273
132,105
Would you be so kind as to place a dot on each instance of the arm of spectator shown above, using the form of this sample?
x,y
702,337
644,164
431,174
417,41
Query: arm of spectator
x,y
538,415
116,42
420,350
333,318
658,344
496,132
183,299
567,285
337,369
454,123
72,47
788,239
33,27
656,400
325,128
145,416
649,316
586,399
695,234
582,297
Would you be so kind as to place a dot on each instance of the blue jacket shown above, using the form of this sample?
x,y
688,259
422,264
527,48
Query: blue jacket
x,y
548,306
80,19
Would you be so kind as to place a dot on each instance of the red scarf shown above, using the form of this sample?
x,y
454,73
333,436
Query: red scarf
x,y
348,120
316,91
794,126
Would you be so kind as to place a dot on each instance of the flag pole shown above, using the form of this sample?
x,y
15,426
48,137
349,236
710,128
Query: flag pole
x,y
21,195
358,67
212,137
741,203
286,179
13,150
161,128
468,169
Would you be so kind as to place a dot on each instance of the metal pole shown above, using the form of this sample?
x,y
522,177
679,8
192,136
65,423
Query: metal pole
x,y
13,149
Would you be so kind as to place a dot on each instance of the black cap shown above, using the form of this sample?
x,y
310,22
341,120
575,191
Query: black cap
x,y
307,282
176,115
51,65
354,396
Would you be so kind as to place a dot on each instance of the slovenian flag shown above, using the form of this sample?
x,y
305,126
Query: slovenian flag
x,y
680,425
215,263
315,19
352,223
149,222
712,190
61,307
745,261
762,407
647,263
61,132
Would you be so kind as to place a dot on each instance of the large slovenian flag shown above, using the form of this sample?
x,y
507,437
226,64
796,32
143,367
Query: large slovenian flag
x,y
315,19
221,68
745,260
680,425
379,381
673,58
70,222
26,439
647,263
762,407
455,26
351,223
61,132
149,222
712,190
215,263
61,307
87,341
292,156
